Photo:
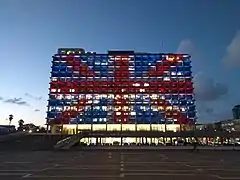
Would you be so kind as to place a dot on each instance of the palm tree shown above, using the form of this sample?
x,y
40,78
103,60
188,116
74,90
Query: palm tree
x,y
10,118
20,123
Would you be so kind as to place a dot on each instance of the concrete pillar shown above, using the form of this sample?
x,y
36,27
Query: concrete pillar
x,y
53,129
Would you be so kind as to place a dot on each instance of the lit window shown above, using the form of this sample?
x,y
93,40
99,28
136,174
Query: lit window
x,y
136,84
170,57
125,96
179,73
161,108
95,101
60,96
173,73
175,108
89,101
146,84
183,109
88,96
59,108
68,96
169,108
166,79
54,79
111,96
133,113
72,90
123,90
162,97
53,90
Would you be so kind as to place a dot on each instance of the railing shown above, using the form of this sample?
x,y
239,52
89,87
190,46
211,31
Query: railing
x,y
70,141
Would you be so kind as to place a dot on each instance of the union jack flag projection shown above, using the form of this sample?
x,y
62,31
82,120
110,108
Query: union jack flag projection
x,y
120,88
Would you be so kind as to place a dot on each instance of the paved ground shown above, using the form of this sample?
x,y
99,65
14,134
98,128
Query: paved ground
x,y
125,165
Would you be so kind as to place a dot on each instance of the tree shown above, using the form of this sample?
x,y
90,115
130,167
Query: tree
x,y
20,124
10,118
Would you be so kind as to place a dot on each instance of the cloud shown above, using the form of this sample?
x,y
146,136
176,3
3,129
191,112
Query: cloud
x,y
1,98
232,57
36,110
186,47
209,111
33,97
208,90
18,101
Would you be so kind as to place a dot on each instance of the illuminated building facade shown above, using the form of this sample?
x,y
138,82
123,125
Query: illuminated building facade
x,y
121,90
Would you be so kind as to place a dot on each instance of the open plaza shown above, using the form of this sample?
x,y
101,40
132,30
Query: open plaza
x,y
120,164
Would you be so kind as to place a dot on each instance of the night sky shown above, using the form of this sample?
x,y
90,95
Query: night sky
x,y
31,31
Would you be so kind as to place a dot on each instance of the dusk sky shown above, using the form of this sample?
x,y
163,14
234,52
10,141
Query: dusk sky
x,y
31,31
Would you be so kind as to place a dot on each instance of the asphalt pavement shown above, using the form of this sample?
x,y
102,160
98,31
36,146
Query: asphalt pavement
x,y
120,164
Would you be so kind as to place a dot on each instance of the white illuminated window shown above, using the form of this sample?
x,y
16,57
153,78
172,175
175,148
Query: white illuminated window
x,y
166,79
179,73
125,96
72,90
154,96
173,73
89,101
154,108
68,96
162,97
175,108
146,84
51,108
60,96
54,79
104,108
132,96
111,96
59,108
59,90
123,90
118,113
75,97
142,90
104,95
53,90
95,101
136,84
88,96
183,109
133,113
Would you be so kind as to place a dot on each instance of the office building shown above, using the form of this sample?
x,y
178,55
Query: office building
x,y
236,112
120,90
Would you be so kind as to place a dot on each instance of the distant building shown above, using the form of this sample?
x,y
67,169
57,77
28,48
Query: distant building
x,y
6,129
236,112
226,125
231,125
